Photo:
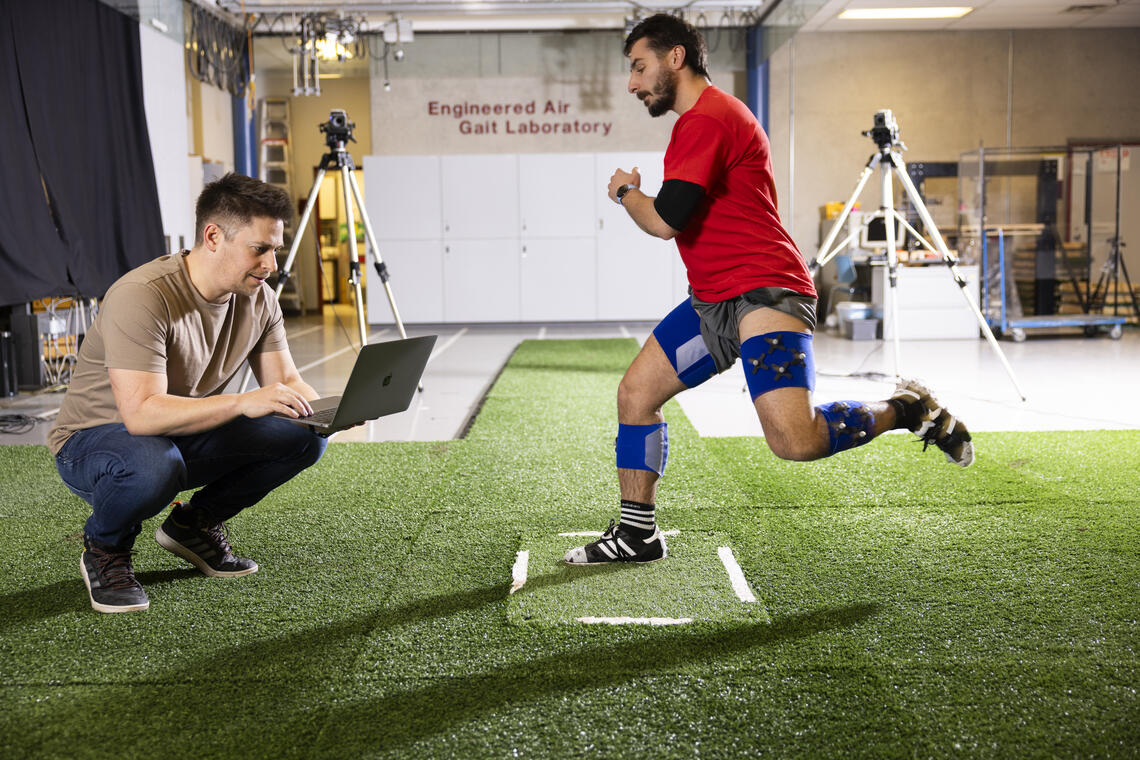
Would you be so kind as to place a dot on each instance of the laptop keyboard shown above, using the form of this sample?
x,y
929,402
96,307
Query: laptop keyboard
x,y
323,417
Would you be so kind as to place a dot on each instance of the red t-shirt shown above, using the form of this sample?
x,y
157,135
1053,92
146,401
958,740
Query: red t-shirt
x,y
734,241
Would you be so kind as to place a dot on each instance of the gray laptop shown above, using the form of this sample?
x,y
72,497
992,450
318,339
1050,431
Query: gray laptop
x,y
383,381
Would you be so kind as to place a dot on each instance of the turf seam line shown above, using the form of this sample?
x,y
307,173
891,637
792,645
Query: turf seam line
x,y
518,572
633,621
735,575
465,429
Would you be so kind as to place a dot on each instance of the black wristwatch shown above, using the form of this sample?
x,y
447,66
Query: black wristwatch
x,y
621,191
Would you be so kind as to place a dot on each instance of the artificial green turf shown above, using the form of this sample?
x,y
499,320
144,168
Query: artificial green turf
x,y
916,609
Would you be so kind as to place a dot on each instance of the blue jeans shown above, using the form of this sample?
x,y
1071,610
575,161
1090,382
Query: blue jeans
x,y
129,478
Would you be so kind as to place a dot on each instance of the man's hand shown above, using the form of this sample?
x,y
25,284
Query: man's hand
x,y
274,398
622,177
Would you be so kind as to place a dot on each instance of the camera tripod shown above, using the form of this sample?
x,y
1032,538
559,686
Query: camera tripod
x,y
885,134
338,130
1114,265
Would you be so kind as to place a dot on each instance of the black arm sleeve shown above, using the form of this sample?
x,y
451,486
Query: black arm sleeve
x,y
677,201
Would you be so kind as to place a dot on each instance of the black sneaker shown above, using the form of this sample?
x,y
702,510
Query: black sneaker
x,y
193,536
932,424
619,545
110,579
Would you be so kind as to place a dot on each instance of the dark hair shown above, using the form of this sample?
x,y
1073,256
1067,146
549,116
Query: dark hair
x,y
663,32
234,200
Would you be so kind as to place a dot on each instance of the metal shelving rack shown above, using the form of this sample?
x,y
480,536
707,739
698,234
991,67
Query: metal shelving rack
x,y
1025,201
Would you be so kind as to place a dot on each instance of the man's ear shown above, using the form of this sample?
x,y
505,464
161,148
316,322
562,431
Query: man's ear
x,y
677,57
212,236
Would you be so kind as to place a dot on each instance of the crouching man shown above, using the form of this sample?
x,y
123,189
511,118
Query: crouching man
x,y
145,416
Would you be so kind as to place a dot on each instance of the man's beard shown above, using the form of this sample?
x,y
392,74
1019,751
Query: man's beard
x,y
664,92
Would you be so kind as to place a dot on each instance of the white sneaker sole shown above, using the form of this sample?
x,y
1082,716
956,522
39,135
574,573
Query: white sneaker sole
x,y
109,608
172,546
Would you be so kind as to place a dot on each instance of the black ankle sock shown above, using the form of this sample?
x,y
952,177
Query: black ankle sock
x,y
907,414
638,518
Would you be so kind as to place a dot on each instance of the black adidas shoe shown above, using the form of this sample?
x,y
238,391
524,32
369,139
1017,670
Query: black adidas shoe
x,y
110,579
192,535
934,425
619,545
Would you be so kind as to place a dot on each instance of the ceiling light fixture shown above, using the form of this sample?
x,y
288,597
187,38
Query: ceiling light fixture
x,y
884,14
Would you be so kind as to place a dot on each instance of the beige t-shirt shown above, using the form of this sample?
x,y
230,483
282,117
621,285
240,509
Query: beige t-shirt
x,y
153,319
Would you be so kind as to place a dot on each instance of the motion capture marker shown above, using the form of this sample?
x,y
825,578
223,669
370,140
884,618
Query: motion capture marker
x,y
736,575
518,572
633,621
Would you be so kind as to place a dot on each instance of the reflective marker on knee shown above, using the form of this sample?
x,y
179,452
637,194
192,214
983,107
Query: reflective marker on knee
x,y
778,360
642,447
849,424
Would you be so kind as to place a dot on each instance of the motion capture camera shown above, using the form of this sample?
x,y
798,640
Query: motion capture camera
x,y
338,129
885,133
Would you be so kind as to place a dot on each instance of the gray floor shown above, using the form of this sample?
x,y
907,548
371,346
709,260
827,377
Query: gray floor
x,y
1071,382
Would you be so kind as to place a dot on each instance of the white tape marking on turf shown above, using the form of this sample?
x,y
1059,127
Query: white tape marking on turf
x,y
633,621
735,575
598,533
518,572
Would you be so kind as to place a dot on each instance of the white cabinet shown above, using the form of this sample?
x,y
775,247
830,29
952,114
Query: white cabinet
x,y
637,273
480,197
416,269
504,238
403,198
930,303
481,280
557,194
558,280
635,278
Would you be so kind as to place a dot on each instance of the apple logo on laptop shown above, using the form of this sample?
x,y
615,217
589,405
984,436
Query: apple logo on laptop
x,y
387,380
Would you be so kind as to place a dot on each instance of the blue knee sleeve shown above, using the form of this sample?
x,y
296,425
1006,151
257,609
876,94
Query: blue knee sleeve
x,y
643,447
849,424
679,336
778,360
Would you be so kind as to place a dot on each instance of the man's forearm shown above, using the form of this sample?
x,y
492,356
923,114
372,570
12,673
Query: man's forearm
x,y
640,208
165,414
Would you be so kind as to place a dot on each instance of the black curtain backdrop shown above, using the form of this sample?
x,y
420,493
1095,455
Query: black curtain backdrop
x,y
78,120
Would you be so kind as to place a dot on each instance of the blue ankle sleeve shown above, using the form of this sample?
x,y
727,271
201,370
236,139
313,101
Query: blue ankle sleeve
x,y
778,360
849,424
643,447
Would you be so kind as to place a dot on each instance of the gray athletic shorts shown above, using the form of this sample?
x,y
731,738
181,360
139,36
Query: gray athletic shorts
x,y
720,321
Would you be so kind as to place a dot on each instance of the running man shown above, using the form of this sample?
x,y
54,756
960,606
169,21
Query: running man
x,y
752,297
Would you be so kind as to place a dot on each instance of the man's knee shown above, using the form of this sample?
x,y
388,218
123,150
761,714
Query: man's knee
x,y
794,448
302,447
149,466
636,400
